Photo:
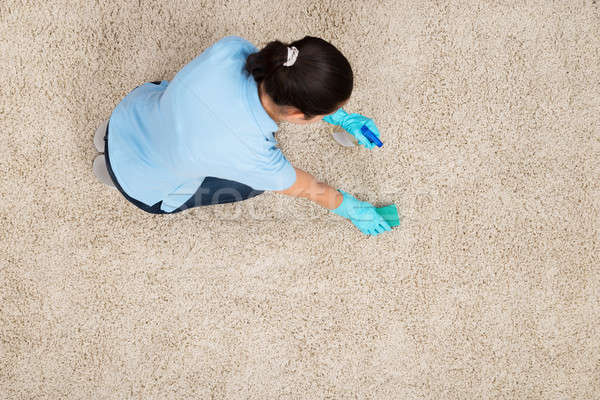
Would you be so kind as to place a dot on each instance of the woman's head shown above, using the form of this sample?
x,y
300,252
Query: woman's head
x,y
318,83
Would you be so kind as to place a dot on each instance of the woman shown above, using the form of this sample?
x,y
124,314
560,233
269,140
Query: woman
x,y
206,137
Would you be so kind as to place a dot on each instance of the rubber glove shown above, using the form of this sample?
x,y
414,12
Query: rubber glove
x,y
362,214
352,123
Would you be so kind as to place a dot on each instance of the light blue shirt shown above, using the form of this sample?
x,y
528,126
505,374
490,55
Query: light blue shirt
x,y
208,121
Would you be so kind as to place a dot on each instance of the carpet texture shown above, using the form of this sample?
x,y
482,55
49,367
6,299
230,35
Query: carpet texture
x,y
490,115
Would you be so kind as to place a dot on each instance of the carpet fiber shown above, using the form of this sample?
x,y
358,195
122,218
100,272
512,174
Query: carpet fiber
x,y
490,115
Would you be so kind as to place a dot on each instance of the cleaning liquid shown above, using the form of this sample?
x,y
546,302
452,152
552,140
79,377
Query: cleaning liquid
x,y
348,140
343,137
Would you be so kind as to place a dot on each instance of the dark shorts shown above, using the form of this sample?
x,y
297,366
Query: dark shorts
x,y
212,191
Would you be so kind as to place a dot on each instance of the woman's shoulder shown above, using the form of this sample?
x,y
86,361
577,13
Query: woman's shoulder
x,y
228,50
234,42
217,64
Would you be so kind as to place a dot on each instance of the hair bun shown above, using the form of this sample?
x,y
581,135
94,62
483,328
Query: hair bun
x,y
266,61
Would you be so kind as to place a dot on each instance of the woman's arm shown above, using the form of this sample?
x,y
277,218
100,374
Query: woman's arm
x,y
362,214
308,187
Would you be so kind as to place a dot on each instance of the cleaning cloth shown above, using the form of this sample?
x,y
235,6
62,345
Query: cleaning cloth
x,y
390,214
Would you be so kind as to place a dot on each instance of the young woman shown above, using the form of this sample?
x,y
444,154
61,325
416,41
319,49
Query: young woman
x,y
206,137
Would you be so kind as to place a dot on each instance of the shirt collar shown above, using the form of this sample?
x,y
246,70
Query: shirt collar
x,y
265,123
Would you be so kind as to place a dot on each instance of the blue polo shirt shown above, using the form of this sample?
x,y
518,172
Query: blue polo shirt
x,y
208,121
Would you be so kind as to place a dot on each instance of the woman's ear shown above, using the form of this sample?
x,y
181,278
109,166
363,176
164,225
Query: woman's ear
x,y
294,114
297,114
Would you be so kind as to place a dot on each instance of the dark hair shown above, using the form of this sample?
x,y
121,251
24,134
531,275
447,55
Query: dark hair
x,y
318,82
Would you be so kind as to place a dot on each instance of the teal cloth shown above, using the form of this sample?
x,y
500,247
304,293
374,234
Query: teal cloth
x,y
390,214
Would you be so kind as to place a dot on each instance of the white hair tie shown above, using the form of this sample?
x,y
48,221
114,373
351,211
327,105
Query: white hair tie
x,y
291,57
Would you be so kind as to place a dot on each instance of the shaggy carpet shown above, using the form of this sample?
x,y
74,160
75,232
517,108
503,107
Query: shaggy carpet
x,y
490,115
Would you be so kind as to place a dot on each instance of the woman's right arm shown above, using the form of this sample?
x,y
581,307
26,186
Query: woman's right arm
x,y
308,187
362,214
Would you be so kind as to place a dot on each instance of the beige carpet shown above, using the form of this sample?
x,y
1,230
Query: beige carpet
x,y
490,114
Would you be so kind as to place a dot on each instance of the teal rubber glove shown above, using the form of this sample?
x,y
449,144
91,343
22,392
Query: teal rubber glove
x,y
352,123
362,214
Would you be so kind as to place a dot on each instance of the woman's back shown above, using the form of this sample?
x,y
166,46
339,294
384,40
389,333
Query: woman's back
x,y
208,121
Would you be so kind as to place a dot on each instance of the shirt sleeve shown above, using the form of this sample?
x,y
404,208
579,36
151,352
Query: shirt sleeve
x,y
274,172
